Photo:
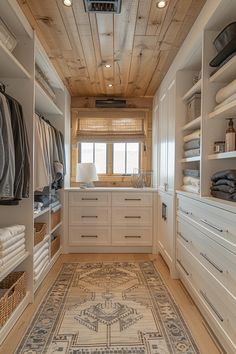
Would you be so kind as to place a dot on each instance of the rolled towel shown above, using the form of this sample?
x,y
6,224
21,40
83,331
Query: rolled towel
x,y
8,232
228,100
11,255
11,241
195,135
226,174
226,92
12,248
191,173
192,153
191,189
192,144
224,182
192,181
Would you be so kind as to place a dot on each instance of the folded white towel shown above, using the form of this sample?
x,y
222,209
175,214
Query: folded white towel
x,y
41,266
36,277
191,189
12,260
228,100
8,232
4,245
226,92
41,257
40,250
195,135
191,181
10,256
8,250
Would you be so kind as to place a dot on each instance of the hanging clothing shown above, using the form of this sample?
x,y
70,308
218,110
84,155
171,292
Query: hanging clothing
x,y
41,175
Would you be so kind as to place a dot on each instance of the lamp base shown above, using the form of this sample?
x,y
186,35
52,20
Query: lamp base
x,y
87,185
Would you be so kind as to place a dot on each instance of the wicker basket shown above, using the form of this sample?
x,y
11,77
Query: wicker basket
x,y
55,218
40,231
13,288
55,245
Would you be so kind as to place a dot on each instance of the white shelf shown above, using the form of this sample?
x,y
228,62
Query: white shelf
x,y
10,67
42,212
194,124
195,89
223,155
14,265
43,103
56,227
14,317
226,73
191,159
227,111
42,276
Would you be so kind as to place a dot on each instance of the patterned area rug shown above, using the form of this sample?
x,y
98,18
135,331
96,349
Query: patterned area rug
x,y
108,308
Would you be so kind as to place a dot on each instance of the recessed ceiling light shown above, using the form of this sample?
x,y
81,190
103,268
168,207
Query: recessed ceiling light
x,y
107,66
67,2
161,4
110,85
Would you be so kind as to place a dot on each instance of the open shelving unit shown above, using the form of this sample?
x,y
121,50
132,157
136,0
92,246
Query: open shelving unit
x,y
194,89
17,71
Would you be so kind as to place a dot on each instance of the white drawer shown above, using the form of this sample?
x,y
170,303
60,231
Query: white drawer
x,y
132,216
89,236
89,216
132,199
89,198
218,260
217,223
131,236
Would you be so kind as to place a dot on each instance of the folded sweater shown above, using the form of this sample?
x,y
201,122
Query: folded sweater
x,y
226,174
192,144
223,195
226,92
192,153
191,173
224,182
195,135
224,188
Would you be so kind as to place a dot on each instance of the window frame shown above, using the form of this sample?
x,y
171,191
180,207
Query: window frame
x,y
110,159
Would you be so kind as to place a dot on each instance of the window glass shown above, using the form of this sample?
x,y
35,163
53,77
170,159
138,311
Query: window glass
x,y
86,152
101,158
119,158
132,157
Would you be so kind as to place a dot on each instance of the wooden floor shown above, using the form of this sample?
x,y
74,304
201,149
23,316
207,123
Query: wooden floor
x,y
189,311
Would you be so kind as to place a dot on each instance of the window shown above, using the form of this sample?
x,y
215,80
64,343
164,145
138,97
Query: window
x,y
117,158
96,153
125,158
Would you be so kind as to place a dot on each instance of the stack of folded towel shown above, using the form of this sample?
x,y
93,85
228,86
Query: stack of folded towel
x,y
191,181
41,260
224,185
226,95
192,144
12,245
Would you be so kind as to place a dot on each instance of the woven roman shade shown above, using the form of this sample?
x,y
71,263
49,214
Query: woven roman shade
x,y
109,130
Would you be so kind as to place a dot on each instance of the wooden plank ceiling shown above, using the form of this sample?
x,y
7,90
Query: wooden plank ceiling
x,y
139,44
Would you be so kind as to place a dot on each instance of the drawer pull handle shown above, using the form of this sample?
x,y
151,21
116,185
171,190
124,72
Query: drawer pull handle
x,y
211,225
181,265
89,216
184,238
185,211
129,236
211,262
211,306
132,217
89,198
89,236
133,199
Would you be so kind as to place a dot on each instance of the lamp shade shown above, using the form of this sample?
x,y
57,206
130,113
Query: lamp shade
x,y
86,172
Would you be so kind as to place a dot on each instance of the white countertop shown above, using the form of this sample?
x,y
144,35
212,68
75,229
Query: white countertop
x,y
111,189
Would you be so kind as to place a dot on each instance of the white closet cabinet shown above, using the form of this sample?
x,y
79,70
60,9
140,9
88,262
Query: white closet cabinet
x,y
166,146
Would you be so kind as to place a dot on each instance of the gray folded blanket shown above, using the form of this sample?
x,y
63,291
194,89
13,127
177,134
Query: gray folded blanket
x,y
226,174
191,173
224,188
224,182
192,144
192,153
223,195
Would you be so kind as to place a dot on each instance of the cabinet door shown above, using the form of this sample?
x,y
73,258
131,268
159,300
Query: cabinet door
x,y
163,126
171,139
155,153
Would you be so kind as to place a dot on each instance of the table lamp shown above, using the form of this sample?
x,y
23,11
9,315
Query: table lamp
x,y
86,174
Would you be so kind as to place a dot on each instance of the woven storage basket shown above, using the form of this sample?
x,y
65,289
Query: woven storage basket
x,y
55,218
14,288
55,245
40,231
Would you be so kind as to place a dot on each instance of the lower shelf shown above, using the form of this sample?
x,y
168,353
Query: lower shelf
x,y
14,317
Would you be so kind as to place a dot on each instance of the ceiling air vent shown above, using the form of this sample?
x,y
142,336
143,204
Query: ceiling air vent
x,y
110,103
107,6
